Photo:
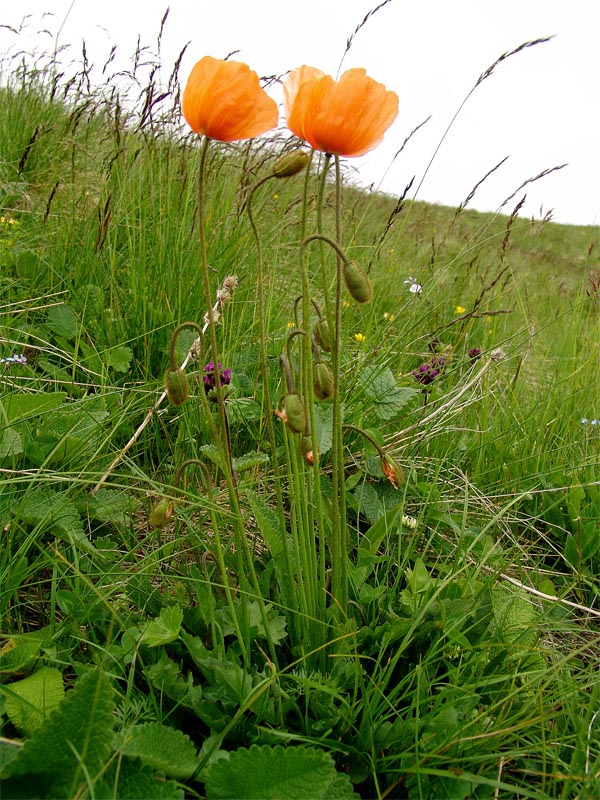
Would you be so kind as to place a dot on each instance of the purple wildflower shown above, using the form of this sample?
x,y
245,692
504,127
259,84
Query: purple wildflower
x,y
209,376
474,354
426,373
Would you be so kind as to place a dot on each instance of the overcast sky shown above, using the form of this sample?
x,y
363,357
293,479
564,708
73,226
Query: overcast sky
x,y
540,107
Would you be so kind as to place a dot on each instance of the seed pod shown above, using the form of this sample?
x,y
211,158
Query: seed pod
x,y
177,387
357,282
295,413
290,164
322,335
322,381
392,470
161,513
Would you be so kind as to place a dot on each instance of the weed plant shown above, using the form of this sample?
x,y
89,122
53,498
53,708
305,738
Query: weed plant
x,y
260,539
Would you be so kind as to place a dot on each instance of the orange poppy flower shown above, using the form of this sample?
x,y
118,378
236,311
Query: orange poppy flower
x,y
225,101
347,117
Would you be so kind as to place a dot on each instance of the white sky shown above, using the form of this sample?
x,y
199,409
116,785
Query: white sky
x,y
540,107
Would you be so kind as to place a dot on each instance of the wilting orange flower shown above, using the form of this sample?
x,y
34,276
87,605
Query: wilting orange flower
x,y
225,101
347,117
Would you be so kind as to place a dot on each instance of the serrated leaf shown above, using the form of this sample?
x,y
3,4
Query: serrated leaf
x,y
277,773
380,387
120,358
128,779
56,512
250,461
31,699
164,749
165,628
108,505
73,741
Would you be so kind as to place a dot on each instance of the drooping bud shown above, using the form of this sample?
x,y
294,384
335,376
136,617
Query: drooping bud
x,y
322,381
176,386
290,164
392,470
357,282
161,513
306,448
322,335
295,413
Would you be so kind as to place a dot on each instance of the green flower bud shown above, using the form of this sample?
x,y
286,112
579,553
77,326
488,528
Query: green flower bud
x,y
306,449
177,387
161,513
322,381
290,164
322,335
295,413
357,282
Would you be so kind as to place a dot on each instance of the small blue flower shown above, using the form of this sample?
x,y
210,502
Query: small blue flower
x,y
14,359
584,421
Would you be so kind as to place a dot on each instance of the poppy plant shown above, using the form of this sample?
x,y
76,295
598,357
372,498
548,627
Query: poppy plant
x,y
225,101
346,118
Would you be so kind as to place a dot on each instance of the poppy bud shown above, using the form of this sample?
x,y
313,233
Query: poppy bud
x,y
322,335
322,381
392,470
357,282
176,386
306,449
290,164
161,513
295,413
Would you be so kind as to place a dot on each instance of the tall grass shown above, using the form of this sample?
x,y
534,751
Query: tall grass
x,y
448,646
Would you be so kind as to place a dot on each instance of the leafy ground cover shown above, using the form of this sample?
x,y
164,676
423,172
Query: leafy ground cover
x,y
399,598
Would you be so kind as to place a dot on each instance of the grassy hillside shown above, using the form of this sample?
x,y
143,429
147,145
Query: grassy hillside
x,y
177,568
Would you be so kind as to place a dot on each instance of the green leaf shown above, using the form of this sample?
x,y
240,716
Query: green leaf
x,y
31,699
128,779
22,405
165,628
380,387
369,504
250,461
120,358
11,443
164,749
384,525
277,773
324,427
272,531
73,741
63,321
20,651
108,505
56,512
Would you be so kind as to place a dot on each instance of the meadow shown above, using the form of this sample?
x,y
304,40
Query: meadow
x,y
299,482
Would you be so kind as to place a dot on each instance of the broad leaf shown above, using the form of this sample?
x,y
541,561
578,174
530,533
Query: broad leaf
x,y
164,749
165,628
31,699
277,773
72,742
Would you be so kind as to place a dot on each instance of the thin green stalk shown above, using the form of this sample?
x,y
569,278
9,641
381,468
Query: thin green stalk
x,y
338,480
240,533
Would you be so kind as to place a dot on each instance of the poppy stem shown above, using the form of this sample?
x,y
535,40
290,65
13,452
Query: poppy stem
x,y
246,573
